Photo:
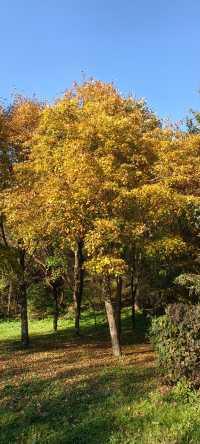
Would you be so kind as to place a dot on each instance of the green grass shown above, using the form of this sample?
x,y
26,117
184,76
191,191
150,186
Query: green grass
x,y
11,330
71,390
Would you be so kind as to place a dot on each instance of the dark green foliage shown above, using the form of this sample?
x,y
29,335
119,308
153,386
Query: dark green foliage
x,y
40,301
176,337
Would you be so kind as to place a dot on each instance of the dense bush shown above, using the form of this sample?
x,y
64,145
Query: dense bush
x,y
176,338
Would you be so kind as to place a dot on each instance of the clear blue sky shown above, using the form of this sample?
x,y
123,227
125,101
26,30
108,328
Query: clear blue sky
x,y
148,47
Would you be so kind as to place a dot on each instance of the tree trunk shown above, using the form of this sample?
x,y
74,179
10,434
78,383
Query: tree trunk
x,y
118,306
132,300
78,283
9,299
134,292
111,318
56,309
2,230
23,302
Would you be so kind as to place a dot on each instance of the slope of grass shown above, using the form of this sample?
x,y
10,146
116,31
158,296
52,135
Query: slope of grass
x,y
67,389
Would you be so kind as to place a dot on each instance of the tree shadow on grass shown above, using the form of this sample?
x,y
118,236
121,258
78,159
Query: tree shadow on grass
x,y
48,411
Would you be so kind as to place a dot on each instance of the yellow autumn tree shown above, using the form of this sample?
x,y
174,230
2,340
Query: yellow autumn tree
x,y
20,121
89,151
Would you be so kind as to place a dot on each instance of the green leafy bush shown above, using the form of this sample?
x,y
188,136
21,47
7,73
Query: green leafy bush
x,y
176,338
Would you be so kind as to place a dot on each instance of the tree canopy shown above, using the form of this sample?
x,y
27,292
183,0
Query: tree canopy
x,y
97,178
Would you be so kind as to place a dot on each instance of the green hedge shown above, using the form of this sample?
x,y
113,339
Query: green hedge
x,y
176,338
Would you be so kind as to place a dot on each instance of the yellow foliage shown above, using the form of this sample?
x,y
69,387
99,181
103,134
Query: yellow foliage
x,y
167,248
97,166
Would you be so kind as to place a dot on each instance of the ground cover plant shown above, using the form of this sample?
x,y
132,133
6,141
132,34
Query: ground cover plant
x,y
69,389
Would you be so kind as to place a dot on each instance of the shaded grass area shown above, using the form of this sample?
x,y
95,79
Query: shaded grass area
x,y
68,389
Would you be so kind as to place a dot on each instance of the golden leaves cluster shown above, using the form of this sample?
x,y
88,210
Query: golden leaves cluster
x,y
99,167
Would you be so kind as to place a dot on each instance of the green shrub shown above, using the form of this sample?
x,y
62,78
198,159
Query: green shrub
x,y
176,338
183,392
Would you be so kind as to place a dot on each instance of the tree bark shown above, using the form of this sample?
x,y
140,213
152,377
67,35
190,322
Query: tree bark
x,y
23,302
2,230
56,309
78,283
111,318
132,300
134,292
118,306
9,299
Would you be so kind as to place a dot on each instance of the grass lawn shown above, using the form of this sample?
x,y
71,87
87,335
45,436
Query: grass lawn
x,y
71,390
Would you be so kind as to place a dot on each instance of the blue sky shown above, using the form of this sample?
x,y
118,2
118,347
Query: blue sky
x,y
150,48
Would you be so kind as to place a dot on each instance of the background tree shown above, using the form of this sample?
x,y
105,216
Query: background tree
x,y
20,121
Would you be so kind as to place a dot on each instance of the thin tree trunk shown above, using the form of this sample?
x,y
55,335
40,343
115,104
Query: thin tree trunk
x,y
118,306
9,299
23,302
134,293
132,299
78,283
56,309
111,318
